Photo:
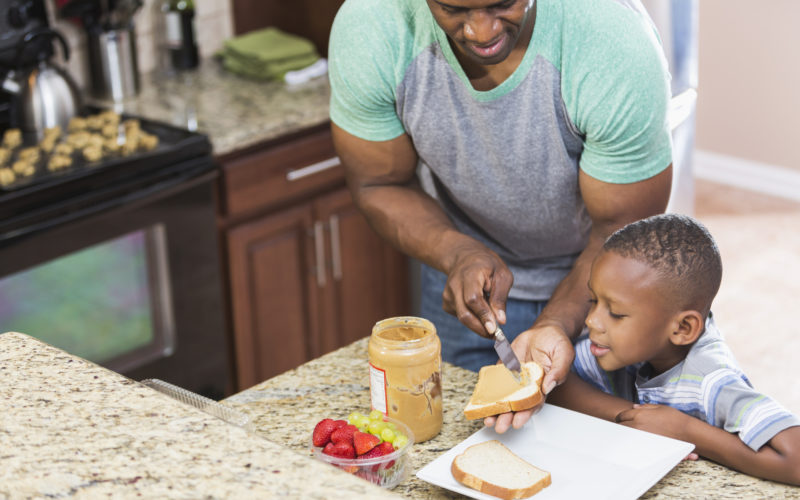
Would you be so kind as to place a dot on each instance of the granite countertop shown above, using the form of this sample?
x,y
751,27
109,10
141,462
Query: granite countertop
x,y
233,111
70,428
286,408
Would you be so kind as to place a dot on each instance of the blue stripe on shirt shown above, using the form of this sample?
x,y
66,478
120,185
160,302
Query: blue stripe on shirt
x,y
716,390
766,423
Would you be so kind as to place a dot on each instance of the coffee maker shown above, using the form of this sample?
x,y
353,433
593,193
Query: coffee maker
x,y
17,19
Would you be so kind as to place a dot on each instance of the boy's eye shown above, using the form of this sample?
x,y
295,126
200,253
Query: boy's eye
x,y
615,316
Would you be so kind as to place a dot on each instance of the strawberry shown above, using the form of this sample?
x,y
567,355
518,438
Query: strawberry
x,y
364,442
344,434
339,423
322,432
339,450
382,449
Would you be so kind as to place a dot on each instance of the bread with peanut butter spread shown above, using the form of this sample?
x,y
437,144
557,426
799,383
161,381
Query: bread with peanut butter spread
x,y
497,391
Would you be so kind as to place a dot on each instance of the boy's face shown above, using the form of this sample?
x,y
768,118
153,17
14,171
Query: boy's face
x,y
630,320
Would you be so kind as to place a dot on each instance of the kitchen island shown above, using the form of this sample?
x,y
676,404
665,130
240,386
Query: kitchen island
x,y
72,429
286,408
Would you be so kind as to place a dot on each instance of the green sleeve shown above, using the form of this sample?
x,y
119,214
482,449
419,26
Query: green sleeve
x,y
362,58
617,95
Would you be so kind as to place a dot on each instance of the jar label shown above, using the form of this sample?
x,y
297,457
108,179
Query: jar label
x,y
377,385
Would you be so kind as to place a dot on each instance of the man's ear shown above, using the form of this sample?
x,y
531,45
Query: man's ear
x,y
690,325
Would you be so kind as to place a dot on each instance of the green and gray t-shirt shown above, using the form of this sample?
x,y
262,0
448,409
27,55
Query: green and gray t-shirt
x,y
591,93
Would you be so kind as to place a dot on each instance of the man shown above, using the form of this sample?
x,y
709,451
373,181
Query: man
x,y
540,128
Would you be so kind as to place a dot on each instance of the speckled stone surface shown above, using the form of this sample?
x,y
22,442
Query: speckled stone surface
x,y
234,112
69,428
286,408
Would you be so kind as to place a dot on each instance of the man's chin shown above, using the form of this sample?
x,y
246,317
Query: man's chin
x,y
487,61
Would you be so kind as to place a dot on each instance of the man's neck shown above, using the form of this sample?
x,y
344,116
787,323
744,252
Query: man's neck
x,y
486,77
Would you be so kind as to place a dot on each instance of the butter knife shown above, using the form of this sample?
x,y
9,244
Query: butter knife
x,y
506,354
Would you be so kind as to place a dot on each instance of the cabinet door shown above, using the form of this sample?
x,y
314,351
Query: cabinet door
x,y
366,280
274,293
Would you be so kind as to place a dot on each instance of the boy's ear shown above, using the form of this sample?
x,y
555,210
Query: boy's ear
x,y
690,325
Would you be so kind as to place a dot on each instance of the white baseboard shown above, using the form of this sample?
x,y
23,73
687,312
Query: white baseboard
x,y
760,177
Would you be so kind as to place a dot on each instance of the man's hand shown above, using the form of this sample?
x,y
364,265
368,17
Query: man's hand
x,y
477,288
552,349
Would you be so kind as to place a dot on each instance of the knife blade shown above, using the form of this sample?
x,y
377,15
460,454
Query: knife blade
x,y
506,354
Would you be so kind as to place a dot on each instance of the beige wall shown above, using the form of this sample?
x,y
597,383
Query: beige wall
x,y
213,22
749,80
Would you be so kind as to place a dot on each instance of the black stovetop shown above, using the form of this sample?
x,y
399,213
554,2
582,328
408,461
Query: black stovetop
x,y
48,195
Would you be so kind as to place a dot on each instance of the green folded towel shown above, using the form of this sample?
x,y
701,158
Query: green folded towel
x,y
268,53
274,70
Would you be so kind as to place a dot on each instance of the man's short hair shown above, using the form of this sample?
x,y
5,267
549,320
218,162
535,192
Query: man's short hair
x,y
682,252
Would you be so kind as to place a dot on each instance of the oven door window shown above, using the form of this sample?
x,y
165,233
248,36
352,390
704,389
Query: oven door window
x,y
109,303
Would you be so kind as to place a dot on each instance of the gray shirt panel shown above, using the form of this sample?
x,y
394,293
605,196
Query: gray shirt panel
x,y
508,176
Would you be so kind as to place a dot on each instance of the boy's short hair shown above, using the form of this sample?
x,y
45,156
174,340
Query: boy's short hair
x,y
682,252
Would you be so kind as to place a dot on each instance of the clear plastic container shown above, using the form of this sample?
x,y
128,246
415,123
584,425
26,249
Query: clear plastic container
x,y
387,471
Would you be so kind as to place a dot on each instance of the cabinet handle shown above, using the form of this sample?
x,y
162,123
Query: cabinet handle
x,y
299,173
336,251
319,252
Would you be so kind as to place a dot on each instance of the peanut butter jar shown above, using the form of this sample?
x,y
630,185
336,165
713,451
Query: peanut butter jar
x,y
405,364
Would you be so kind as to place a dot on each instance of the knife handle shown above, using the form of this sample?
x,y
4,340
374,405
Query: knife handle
x,y
499,335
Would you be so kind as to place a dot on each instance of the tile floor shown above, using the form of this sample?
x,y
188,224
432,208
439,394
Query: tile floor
x,y
757,305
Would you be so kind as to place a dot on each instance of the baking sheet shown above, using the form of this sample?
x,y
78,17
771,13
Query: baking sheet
x,y
585,456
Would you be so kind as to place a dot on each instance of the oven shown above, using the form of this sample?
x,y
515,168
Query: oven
x,y
117,261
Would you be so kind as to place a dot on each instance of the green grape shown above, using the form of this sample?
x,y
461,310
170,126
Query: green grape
x,y
376,427
387,435
375,415
391,425
354,417
363,423
400,440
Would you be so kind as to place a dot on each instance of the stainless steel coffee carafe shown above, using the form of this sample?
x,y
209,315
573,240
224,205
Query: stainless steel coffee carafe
x,y
44,95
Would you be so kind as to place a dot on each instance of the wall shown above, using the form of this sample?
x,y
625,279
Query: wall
x,y
213,23
749,81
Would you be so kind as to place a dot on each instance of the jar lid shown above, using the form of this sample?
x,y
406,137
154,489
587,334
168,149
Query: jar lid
x,y
404,330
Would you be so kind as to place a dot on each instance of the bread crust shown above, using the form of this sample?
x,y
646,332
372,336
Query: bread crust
x,y
478,484
503,407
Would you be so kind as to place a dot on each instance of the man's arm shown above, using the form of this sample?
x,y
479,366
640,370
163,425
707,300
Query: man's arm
x,y
778,460
610,207
382,178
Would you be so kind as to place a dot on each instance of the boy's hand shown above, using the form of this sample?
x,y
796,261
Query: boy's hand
x,y
658,419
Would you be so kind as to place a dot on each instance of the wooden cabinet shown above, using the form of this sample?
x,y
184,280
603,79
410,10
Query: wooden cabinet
x,y
311,19
306,272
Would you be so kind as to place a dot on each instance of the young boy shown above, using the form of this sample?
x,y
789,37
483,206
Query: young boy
x,y
652,341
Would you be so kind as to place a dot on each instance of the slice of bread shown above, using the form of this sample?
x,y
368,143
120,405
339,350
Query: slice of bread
x,y
491,468
498,392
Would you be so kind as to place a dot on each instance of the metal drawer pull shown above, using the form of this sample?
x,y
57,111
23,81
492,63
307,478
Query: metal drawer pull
x,y
336,250
293,175
319,252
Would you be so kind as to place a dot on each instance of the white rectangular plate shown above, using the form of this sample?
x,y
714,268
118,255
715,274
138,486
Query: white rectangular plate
x,y
585,456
